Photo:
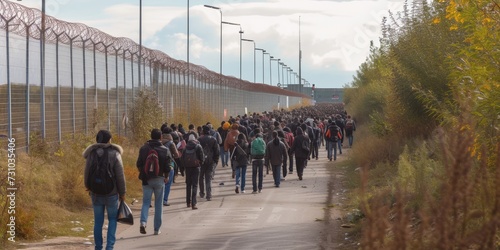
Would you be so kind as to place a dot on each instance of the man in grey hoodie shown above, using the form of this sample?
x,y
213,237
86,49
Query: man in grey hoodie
x,y
103,150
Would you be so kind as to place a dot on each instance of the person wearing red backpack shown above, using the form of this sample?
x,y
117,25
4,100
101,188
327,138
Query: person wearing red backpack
x,y
153,164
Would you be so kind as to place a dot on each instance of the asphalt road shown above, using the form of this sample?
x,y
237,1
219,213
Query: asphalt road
x,y
289,217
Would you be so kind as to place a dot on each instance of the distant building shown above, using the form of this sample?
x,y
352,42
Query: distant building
x,y
321,95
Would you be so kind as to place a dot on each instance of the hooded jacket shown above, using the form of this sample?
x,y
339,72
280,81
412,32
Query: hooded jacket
x,y
195,145
115,160
276,153
297,144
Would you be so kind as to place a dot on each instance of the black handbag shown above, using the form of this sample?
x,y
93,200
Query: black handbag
x,y
125,214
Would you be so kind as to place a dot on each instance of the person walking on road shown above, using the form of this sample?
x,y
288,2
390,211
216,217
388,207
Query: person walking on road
x,y
350,127
300,148
211,151
258,152
168,142
276,156
153,164
105,153
192,158
239,158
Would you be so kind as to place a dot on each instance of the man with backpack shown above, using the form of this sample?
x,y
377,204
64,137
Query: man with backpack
x,y
211,151
276,156
332,137
301,149
350,127
153,164
231,138
258,152
104,162
192,158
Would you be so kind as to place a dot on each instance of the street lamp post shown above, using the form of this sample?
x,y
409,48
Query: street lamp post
x,y
252,41
271,58
241,33
263,52
222,99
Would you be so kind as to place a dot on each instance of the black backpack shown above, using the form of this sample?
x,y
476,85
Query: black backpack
x,y
189,158
101,180
332,133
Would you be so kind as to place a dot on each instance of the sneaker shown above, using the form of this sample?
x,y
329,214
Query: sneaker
x,y
189,205
300,178
202,195
142,229
166,204
194,207
260,190
242,191
157,232
237,190
209,198
254,192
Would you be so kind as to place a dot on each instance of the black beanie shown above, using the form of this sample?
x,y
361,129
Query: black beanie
x,y
103,136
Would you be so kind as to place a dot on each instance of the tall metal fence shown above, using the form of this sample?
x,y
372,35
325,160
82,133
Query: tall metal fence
x,y
59,81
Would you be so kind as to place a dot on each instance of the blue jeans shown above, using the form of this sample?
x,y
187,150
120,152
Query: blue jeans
x,y
168,185
192,175
157,186
224,156
206,173
110,203
257,167
241,172
331,146
276,174
339,142
351,138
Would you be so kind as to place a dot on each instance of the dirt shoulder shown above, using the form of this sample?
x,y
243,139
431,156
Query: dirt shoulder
x,y
339,232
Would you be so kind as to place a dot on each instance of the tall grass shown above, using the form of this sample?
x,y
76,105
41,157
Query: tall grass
x,y
443,197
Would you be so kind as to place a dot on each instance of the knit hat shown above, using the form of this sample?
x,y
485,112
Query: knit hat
x,y
226,126
103,136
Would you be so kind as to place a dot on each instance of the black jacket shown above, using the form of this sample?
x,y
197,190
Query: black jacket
x,y
211,149
194,144
297,145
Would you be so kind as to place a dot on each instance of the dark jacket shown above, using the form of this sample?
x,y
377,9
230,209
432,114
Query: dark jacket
x,y
194,144
164,156
239,157
211,149
276,153
297,144
115,160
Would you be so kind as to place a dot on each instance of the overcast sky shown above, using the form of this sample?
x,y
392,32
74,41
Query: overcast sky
x,y
334,35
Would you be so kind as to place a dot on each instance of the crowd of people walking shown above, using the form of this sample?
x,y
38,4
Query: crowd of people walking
x,y
270,142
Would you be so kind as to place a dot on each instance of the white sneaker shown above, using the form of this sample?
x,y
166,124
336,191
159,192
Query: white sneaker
x,y
157,233
243,191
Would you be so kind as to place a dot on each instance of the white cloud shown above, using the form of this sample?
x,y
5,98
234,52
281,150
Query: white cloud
x,y
334,34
